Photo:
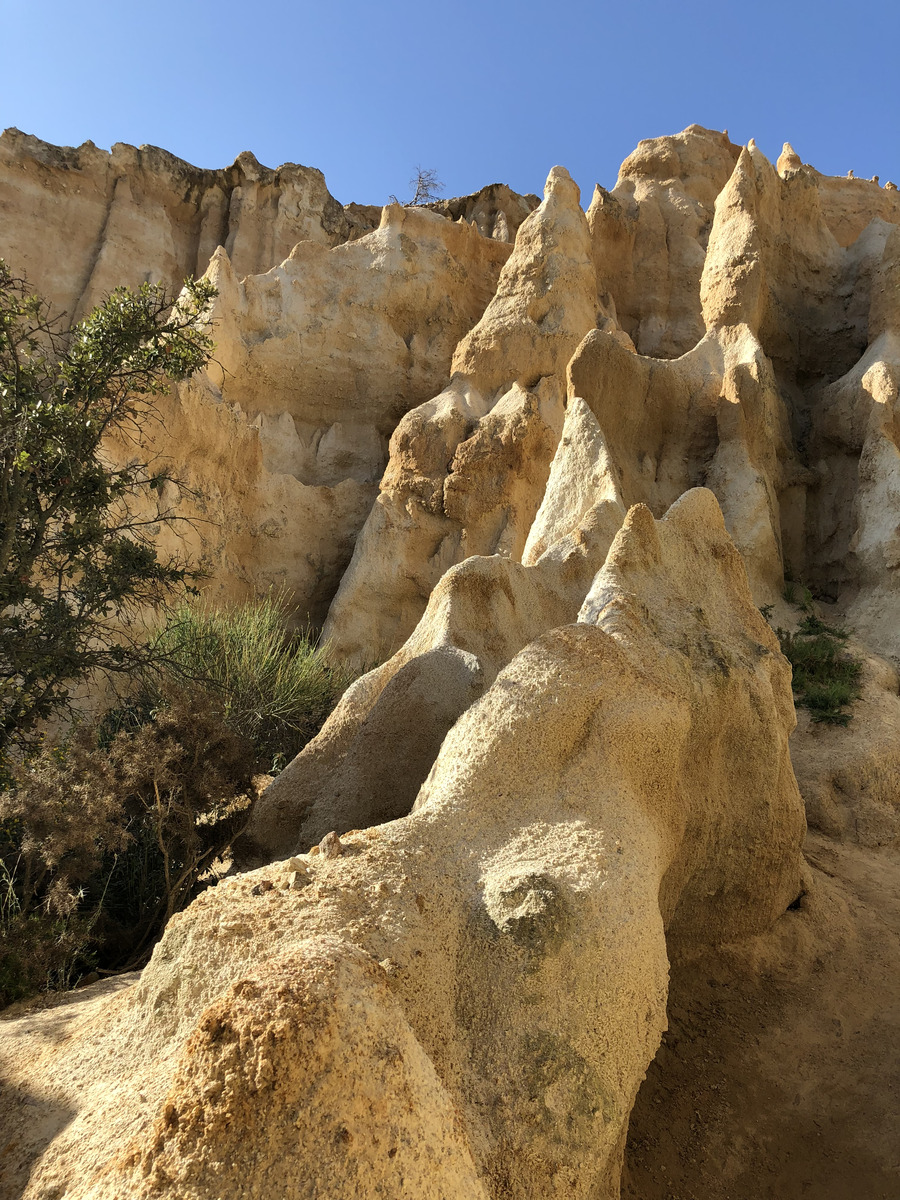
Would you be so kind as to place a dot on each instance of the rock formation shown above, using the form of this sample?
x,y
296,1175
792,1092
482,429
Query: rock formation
x,y
394,347
318,355
650,234
467,470
539,469
354,336
506,940
80,222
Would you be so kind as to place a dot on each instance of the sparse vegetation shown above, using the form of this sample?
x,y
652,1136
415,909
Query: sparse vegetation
x,y
107,833
825,675
103,838
274,688
426,187
797,594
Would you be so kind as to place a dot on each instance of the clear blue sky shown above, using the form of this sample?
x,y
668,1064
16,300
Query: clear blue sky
x,y
481,92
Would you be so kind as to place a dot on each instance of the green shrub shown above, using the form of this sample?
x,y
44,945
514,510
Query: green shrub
x,y
78,557
825,676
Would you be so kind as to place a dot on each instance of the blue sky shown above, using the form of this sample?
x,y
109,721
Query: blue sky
x,y
481,92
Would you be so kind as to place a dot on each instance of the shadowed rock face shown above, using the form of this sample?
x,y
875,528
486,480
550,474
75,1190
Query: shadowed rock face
x,y
506,941
649,236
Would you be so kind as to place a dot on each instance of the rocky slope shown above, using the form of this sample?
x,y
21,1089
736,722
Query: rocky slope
x,y
545,485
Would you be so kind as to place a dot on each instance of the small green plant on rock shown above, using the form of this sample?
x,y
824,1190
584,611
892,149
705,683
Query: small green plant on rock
x,y
826,677
796,593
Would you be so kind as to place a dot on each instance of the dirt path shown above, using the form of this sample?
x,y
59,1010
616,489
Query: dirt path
x,y
780,1074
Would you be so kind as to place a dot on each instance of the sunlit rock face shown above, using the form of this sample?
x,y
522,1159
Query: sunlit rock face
x,y
390,386
81,221
535,471
478,985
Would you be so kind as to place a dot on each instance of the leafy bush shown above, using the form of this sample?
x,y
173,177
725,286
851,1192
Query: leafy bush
x,y
102,839
78,559
825,676
275,689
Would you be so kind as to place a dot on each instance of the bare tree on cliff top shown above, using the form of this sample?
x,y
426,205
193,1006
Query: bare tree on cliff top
x,y
426,187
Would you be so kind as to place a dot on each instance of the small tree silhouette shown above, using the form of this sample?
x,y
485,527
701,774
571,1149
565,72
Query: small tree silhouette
x,y
426,187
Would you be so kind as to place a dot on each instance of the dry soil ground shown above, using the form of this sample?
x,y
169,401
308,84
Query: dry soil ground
x,y
780,1074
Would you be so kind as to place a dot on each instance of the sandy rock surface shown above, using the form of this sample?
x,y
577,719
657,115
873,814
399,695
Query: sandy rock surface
x,y
359,345
537,468
467,470
510,956
81,221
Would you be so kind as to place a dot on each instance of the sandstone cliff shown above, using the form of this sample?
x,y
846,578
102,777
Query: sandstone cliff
x,y
414,350
543,467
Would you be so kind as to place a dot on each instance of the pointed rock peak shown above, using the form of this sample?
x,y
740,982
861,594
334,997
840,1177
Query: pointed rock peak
x,y
392,214
753,169
582,477
220,272
692,585
744,163
637,545
761,165
788,160
561,185
248,165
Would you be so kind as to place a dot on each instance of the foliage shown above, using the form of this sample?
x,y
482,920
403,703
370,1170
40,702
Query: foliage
x,y
102,840
825,676
104,837
274,689
77,559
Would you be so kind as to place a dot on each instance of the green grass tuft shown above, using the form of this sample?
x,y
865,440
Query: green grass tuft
x,y
275,688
